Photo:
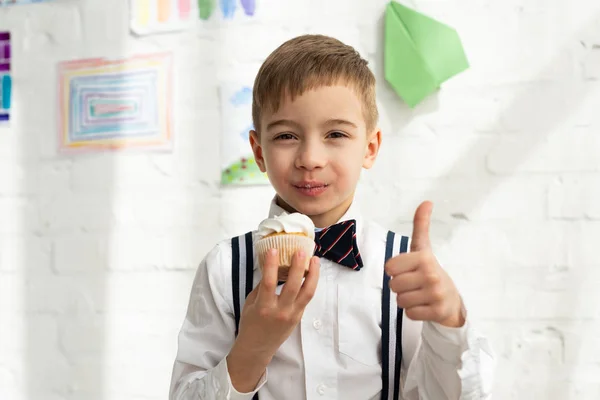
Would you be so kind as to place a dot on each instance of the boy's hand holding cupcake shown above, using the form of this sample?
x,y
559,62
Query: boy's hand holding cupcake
x,y
285,247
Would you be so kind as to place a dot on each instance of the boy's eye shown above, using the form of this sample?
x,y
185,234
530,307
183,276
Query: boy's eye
x,y
336,134
284,136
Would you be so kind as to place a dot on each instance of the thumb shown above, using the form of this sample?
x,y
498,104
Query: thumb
x,y
421,222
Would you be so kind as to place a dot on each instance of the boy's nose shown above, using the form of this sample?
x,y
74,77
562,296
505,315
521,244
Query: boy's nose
x,y
311,156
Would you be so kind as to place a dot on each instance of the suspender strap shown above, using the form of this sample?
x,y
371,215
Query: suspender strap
x,y
391,327
242,274
235,280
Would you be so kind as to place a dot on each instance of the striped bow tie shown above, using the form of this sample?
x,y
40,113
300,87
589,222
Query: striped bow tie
x,y
338,244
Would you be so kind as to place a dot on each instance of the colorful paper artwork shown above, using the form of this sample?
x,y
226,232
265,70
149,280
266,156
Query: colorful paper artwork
x,y
5,78
238,166
4,3
420,53
151,16
116,104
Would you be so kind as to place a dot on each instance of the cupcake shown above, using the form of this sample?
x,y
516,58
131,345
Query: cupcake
x,y
288,233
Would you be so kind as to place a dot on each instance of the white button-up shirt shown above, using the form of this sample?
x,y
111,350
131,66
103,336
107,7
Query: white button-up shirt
x,y
334,353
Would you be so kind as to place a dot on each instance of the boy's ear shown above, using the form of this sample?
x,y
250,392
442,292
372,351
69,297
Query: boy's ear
x,y
373,144
257,150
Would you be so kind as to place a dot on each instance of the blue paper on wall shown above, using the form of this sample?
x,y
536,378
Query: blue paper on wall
x,y
4,3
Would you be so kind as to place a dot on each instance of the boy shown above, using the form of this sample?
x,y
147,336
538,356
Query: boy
x,y
332,332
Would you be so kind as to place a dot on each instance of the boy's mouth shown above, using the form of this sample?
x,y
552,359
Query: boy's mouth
x,y
311,188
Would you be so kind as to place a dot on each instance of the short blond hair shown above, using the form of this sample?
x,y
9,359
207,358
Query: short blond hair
x,y
308,62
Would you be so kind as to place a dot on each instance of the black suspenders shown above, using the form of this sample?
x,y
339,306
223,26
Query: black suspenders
x,y
242,273
391,327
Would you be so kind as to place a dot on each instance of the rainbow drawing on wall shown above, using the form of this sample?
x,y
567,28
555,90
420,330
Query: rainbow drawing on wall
x,y
150,16
238,166
116,104
5,78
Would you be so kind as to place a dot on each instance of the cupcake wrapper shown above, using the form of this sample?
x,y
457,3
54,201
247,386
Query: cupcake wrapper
x,y
287,246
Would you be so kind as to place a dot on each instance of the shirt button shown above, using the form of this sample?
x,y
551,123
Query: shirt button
x,y
317,324
321,389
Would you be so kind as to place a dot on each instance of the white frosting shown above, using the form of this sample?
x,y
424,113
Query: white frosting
x,y
288,223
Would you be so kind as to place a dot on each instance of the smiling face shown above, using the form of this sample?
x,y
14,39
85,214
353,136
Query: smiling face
x,y
313,149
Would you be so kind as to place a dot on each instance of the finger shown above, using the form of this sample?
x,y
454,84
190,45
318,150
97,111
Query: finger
x,y
310,283
268,283
421,222
407,282
294,281
412,299
253,295
422,313
402,263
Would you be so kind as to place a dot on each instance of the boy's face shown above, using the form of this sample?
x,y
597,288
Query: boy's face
x,y
313,150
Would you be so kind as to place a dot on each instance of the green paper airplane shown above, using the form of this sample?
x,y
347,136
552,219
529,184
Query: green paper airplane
x,y
420,53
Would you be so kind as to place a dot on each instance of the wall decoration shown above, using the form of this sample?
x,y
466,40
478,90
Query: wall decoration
x,y
420,53
151,16
5,3
116,104
5,78
238,166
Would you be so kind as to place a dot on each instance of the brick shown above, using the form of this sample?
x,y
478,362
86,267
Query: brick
x,y
76,211
83,253
22,177
128,347
427,158
24,253
178,250
540,154
114,172
182,209
149,292
139,331
18,215
525,305
238,217
510,244
575,197
132,250
44,359
498,38
154,173
582,247
51,294
12,330
259,42
61,23
154,379
539,110
51,177
97,23
82,337
468,110
13,178
458,199
591,63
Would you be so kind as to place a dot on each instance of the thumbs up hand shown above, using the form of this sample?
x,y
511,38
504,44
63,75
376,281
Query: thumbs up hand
x,y
424,289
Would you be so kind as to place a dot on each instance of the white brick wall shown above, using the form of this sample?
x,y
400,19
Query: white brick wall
x,y
97,253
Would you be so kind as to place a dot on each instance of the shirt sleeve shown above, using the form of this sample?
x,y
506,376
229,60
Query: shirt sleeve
x,y
207,335
450,363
